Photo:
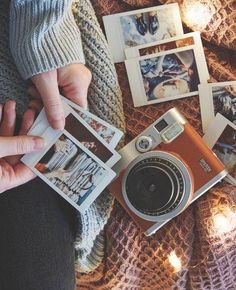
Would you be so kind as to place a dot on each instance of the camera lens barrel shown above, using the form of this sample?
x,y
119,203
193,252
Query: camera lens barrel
x,y
157,186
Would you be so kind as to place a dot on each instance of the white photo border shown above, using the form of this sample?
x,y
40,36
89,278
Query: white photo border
x,y
136,80
213,133
207,103
118,133
100,187
134,52
42,128
115,35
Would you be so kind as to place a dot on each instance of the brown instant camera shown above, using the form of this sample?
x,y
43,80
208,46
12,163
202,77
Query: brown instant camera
x,y
163,170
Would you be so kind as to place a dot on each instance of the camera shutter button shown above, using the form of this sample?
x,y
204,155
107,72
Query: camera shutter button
x,y
144,144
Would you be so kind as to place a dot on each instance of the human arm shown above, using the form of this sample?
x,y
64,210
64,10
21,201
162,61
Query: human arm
x,y
12,172
46,45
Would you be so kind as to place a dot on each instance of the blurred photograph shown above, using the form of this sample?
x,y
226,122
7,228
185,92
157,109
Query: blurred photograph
x,y
169,75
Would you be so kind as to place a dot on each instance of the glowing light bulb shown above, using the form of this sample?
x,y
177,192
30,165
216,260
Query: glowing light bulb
x,y
197,15
175,261
224,221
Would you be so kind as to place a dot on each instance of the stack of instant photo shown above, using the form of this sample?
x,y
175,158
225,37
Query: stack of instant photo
x,y
76,161
218,111
164,64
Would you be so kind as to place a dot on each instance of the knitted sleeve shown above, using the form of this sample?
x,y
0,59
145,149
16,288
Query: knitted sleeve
x,y
43,36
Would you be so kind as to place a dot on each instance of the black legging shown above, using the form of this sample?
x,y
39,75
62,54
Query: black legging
x,y
37,230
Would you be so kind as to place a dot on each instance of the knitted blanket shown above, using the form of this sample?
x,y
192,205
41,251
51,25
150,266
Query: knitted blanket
x,y
208,258
133,261
104,100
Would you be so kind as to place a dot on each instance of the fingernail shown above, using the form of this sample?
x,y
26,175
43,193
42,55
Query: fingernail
x,y
59,124
39,143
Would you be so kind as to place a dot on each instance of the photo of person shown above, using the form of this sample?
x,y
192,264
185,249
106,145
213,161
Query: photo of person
x,y
169,75
146,27
71,170
82,133
224,99
225,149
167,46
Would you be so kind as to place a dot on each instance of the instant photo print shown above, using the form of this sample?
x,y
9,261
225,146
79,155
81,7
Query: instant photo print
x,y
167,75
141,26
109,133
72,170
217,98
188,39
221,138
80,129
76,161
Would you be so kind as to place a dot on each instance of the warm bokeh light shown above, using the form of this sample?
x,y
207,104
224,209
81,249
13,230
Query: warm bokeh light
x,y
224,221
175,261
196,15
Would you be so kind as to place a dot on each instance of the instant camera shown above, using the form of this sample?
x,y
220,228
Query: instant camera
x,y
163,170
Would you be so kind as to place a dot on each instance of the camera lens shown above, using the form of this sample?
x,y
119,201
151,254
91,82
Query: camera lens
x,y
154,186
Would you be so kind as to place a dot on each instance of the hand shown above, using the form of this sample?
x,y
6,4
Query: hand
x,y
73,81
12,172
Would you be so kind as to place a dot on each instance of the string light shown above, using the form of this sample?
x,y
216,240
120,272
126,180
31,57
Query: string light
x,y
224,221
175,261
196,15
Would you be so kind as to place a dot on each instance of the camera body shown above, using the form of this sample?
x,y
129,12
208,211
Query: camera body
x,y
163,170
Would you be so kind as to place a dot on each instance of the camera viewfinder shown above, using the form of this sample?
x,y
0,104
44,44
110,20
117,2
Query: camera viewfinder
x,y
161,125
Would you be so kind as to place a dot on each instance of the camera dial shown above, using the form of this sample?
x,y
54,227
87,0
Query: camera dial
x,y
144,144
157,186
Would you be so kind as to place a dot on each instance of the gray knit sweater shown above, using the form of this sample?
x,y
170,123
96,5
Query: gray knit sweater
x,y
105,99
43,36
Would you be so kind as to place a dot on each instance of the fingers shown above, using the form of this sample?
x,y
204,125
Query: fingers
x,y
27,121
34,92
7,127
22,174
17,145
74,81
36,105
13,176
47,85
1,108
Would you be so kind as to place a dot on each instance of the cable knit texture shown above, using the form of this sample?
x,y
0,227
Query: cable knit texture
x,y
43,36
104,100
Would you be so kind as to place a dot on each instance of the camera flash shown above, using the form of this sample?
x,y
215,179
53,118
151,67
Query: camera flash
x,y
172,132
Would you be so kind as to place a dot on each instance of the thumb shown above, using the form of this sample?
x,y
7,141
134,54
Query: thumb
x,y
47,85
18,145
74,81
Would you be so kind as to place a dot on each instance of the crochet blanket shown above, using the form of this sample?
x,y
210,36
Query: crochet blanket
x,y
208,259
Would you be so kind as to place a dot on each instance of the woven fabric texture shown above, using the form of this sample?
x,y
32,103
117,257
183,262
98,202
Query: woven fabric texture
x,y
133,261
215,18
